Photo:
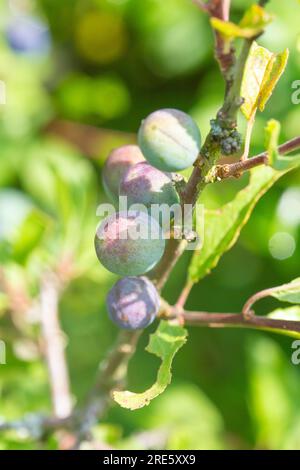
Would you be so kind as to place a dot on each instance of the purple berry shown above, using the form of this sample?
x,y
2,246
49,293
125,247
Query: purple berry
x,y
144,184
28,35
133,303
129,243
116,166
170,140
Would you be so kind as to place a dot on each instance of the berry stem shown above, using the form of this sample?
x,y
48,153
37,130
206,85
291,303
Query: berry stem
x,y
249,130
182,299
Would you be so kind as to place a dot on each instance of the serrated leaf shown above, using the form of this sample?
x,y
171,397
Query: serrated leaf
x,y
277,161
223,226
288,292
262,71
164,343
251,25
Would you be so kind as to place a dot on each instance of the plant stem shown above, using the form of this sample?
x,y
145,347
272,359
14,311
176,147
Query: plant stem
x,y
184,295
236,169
54,347
249,130
265,293
174,250
220,320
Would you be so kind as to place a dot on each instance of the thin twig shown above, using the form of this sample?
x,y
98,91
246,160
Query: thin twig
x,y
182,299
54,347
238,168
247,309
250,125
174,249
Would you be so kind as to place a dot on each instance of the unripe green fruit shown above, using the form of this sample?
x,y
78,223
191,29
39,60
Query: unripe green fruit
x,y
116,165
144,184
170,140
133,303
129,243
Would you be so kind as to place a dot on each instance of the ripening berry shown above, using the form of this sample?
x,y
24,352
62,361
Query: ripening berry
x,y
144,184
129,243
28,35
133,303
116,166
170,140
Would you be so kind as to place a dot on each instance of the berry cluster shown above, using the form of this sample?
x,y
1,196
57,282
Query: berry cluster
x,y
131,243
229,139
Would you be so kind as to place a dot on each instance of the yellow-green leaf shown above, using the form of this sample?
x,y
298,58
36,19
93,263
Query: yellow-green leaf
x,y
262,71
223,226
251,25
273,73
164,343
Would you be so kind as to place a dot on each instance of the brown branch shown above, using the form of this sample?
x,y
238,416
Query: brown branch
x,y
238,320
238,168
224,51
182,299
222,320
54,347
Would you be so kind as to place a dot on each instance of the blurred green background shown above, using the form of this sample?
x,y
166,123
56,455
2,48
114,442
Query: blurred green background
x,y
96,69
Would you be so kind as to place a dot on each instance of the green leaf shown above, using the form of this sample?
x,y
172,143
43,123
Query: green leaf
x,y
262,71
164,343
277,161
223,226
252,24
288,292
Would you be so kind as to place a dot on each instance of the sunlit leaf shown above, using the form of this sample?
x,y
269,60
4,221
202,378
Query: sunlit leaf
x,y
262,71
275,69
223,226
251,25
164,343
